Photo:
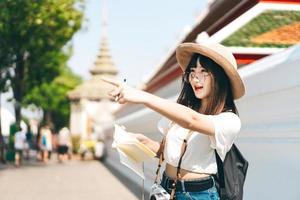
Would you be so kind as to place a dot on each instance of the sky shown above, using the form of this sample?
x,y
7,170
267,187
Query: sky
x,y
140,34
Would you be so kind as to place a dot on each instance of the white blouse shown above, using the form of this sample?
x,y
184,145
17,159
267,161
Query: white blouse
x,y
200,155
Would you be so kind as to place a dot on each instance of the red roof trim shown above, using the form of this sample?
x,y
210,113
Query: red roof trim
x,y
243,59
165,80
281,1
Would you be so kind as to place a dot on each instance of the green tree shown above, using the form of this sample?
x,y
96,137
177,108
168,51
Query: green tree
x,y
52,98
33,34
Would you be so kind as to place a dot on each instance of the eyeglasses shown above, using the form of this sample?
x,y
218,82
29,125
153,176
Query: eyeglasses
x,y
191,75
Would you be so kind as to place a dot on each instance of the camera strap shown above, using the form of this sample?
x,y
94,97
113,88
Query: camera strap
x,y
161,159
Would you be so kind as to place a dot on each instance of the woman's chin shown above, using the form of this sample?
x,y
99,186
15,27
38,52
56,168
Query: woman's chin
x,y
199,96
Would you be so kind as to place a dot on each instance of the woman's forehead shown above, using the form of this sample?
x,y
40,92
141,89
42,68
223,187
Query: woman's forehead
x,y
197,67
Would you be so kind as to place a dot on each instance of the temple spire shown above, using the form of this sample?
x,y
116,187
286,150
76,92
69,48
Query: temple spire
x,y
104,63
104,19
95,88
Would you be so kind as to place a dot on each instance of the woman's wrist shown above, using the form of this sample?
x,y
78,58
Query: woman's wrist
x,y
156,146
145,97
151,144
148,99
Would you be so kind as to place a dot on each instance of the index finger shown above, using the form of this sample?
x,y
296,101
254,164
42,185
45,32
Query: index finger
x,y
111,81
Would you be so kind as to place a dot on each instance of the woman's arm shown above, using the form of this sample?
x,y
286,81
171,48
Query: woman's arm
x,y
182,115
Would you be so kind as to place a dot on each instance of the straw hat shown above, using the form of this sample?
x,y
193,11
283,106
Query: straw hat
x,y
218,53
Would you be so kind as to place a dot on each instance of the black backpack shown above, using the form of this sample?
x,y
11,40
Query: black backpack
x,y
231,174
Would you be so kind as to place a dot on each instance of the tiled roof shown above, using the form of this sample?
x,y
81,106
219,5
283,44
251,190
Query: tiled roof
x,y
286,35
267,30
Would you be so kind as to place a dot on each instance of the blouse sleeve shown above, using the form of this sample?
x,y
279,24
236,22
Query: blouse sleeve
x,y
163,125
227,126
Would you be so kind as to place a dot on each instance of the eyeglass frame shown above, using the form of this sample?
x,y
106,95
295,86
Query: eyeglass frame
x,y
187,76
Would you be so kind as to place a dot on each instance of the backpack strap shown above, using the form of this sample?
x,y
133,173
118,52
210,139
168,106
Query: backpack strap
x,y
161,157
220,174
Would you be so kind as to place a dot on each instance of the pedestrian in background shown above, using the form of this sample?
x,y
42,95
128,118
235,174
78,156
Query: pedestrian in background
x,y
28,143
2,148
38,144
64,144
46,143
19,144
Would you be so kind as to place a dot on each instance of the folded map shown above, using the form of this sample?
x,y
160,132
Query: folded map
x,y
131,151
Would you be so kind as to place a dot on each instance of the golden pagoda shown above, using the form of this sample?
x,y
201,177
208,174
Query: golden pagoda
x,y
95,89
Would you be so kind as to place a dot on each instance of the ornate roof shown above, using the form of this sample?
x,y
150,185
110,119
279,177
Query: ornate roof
x,y
271,28
286,35
93,89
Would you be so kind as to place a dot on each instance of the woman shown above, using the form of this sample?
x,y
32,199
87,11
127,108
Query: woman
x,y
64,142
46,143
205,106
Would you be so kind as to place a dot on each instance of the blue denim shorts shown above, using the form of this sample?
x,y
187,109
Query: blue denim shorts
x,y
208,194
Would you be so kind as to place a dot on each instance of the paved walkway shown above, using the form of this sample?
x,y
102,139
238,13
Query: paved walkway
x,y
72,180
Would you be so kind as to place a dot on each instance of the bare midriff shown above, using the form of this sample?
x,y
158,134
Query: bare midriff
x,y
185,174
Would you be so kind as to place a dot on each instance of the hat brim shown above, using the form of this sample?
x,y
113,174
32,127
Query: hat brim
x,y
218,54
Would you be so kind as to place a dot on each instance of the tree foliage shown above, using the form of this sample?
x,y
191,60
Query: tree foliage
x,y
33,34
52,98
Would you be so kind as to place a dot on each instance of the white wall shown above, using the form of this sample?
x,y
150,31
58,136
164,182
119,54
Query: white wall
x,y
270,136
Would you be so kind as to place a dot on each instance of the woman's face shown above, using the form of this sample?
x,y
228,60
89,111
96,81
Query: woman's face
x,y
200,80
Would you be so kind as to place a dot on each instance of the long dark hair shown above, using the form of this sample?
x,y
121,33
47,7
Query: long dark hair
x,y
221,99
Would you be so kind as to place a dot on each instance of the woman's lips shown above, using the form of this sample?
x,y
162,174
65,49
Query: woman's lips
x,y
198,88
